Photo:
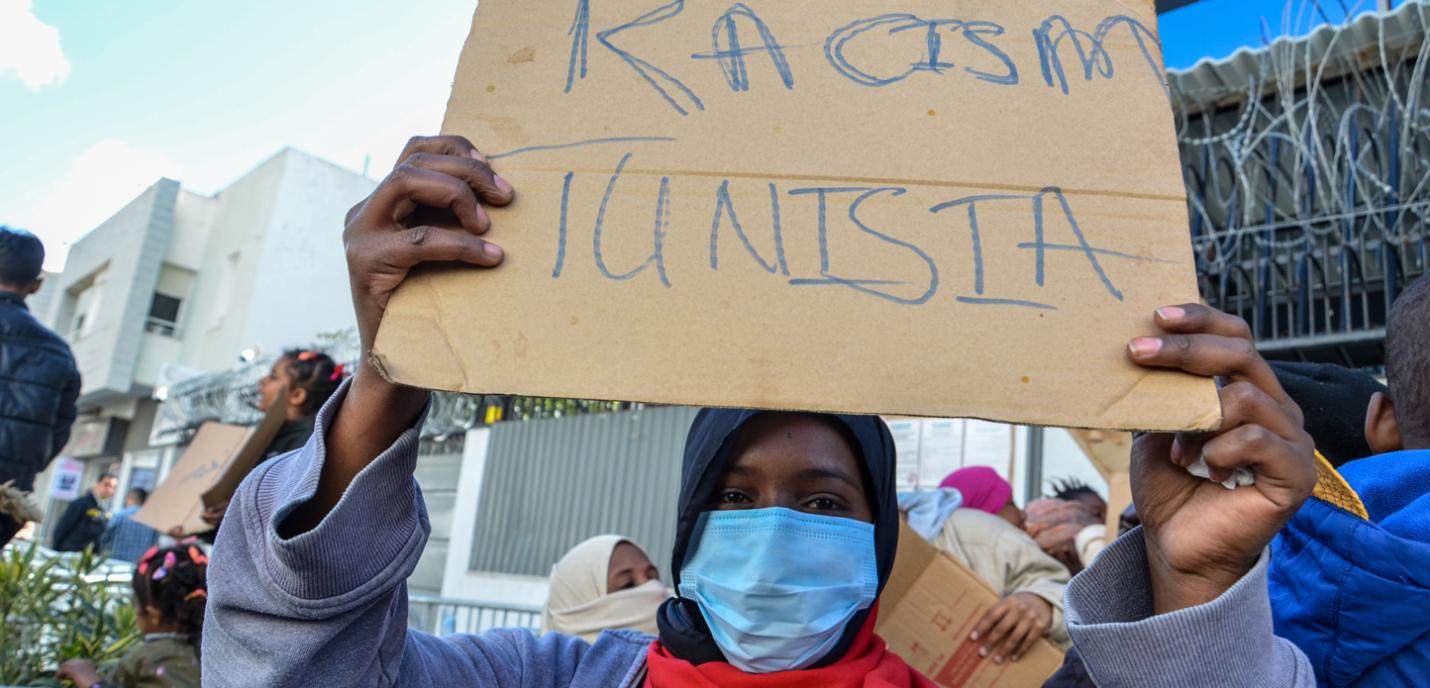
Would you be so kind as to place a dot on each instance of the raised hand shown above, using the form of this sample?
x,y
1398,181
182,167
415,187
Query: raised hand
x,y
438,180
1201,537
388,233
1009,629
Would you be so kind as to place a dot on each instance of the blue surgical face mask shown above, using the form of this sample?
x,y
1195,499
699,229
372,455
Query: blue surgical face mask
x,y
776,586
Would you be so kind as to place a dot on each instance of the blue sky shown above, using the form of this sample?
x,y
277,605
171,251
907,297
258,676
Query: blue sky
x,y
1216,28
203,91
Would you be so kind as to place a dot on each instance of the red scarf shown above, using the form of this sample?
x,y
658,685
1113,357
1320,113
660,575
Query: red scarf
x,y
867,664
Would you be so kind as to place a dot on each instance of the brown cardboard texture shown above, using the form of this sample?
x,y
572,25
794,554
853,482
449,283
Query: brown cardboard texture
x,y
1119,496
1109,452
955,209
929,608
249,454
208,472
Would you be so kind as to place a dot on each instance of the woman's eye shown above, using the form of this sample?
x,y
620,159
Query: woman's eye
x,y
733,497
824,504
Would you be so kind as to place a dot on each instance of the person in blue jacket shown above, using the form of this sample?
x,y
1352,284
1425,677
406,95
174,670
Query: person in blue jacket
x,y
1350,574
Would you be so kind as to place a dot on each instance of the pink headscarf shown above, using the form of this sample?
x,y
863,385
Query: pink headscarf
x,y
982,488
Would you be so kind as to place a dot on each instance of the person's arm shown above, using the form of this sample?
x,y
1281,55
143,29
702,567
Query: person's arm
x,y
1182,600
307,582
1228,641
1032,571
442,172
64,420
328,606
1031,583
81,672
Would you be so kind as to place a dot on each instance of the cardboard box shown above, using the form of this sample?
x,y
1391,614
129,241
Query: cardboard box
x,y
209,472
929,608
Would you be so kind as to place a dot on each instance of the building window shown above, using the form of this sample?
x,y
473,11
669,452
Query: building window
x,y
163,315
82,303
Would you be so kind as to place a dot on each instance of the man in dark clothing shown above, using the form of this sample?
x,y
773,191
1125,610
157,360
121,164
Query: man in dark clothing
x,y
85,519
39,381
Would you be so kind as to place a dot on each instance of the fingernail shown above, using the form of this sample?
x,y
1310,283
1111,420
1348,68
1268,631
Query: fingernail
x,y
1016,658
502,184
1176,451
997,660
477,155
982,652
492,250
1145,346
974,637
1171,313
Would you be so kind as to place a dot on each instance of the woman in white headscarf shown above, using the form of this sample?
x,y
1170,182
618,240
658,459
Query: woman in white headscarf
x,y
606,582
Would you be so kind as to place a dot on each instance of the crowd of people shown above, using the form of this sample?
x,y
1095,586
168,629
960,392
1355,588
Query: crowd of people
x,y
1312,572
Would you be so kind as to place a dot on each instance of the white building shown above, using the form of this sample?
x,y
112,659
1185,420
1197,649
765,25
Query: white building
x,y
180,281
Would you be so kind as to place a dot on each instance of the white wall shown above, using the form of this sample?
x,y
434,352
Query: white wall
x,y
300,285
157,350
193,223
216,326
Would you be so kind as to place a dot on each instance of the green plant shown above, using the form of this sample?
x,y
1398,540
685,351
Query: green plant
x,y
53,610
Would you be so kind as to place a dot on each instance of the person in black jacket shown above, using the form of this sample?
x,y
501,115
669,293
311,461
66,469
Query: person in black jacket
x,y
85,519
39,381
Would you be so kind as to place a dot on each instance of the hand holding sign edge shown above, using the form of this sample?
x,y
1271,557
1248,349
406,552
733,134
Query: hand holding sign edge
x,y
1201,537
384,238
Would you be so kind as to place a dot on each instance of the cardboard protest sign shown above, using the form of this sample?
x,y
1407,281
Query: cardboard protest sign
x,y
924,208
248,455
208,472
931,605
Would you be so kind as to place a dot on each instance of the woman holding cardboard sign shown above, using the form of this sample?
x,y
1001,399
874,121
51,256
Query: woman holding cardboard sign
x,y
787,524
301,380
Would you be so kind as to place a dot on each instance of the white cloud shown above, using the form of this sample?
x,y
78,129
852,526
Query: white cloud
x,y
29,48
100,182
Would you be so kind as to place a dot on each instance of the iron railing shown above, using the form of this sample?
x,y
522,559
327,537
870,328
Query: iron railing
x,y
232,397
445,615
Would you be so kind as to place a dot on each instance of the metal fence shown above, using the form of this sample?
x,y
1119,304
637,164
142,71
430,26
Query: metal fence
x,y
1307,166
446,616
232,397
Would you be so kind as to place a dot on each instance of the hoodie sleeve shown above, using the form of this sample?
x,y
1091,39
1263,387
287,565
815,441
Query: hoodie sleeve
x,y
1226,642
329,606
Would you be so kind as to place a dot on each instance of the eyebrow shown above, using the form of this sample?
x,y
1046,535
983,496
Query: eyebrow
x,y
807,474
828,473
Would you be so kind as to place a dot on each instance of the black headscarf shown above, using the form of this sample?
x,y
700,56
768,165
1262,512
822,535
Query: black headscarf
x,y
707,452
1333,400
